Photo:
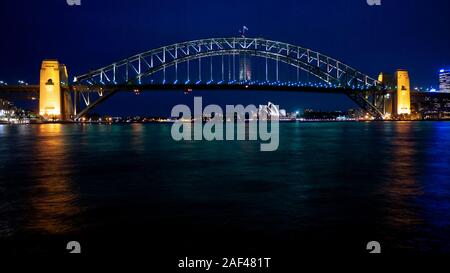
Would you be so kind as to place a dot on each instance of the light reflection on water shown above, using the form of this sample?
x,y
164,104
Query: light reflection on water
x,y
53,200
402,186
383,181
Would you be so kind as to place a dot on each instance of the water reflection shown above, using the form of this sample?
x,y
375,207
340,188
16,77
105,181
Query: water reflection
x,y
137,138
402,188
388,181
435,202
53,199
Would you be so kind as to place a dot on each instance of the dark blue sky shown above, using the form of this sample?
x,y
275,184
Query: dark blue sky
x,y
399,34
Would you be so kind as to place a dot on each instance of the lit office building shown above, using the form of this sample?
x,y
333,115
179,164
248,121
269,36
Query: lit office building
x,y
245,71
444,80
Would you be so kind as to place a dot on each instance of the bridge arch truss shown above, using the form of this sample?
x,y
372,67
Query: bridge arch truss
x,y
133,71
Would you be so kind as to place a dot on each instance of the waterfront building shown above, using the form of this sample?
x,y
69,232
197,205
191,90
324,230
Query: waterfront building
x,y
444,80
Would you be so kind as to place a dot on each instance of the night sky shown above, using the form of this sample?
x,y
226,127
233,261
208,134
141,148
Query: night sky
x,y
399,34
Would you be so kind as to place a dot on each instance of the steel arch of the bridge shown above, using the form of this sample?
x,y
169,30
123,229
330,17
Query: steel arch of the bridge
x,y
133,69
107,80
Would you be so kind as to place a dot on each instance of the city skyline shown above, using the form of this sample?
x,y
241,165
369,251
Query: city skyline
x,y
368,39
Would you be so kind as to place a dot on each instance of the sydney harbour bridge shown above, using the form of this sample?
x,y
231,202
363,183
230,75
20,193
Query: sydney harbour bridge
x,y
236,63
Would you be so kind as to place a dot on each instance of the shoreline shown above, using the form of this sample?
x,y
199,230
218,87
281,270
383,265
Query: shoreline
x,y
171,122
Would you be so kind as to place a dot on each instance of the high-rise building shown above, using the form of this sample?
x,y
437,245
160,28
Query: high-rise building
x,y
245,70
444,80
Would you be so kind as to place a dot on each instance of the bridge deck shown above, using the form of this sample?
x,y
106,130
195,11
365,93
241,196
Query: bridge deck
x,y
33,90
218,87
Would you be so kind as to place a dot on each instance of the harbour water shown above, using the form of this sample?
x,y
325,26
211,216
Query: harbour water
x,y
117,187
